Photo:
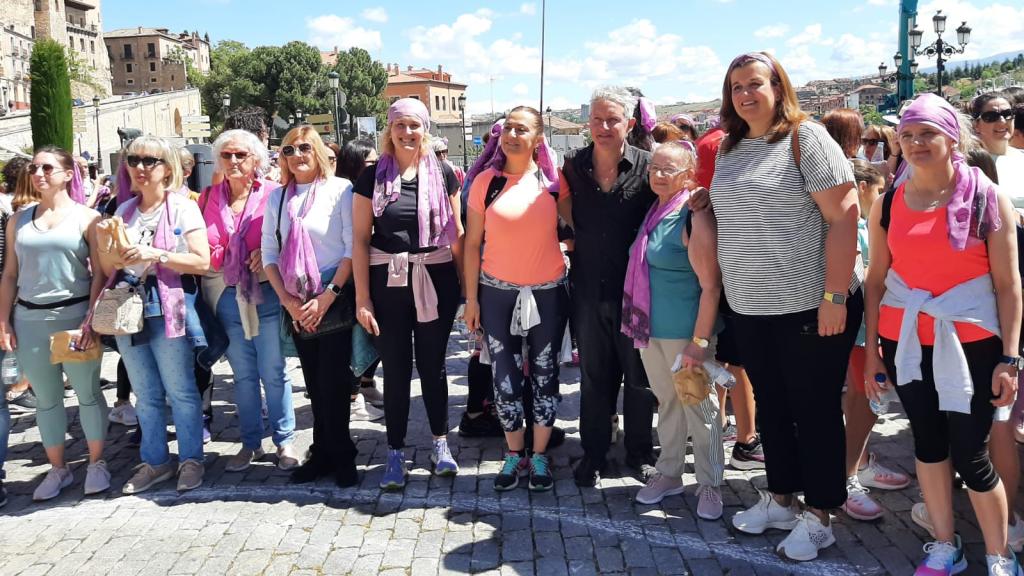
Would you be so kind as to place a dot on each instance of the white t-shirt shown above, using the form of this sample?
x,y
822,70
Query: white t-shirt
x,y
141,228
328,223
1010,168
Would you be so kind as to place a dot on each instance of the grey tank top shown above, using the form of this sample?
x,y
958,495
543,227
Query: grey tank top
x,y
52,264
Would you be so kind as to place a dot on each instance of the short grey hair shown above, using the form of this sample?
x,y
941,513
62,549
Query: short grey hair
x,y
617,94
247,140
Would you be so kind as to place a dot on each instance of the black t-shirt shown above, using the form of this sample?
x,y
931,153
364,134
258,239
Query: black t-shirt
x,y
398,229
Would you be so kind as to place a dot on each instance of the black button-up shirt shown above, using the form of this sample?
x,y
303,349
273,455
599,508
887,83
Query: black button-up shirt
x,y
606,223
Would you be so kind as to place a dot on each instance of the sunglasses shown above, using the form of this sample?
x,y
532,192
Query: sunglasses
x,y
146,161
47,168
232,155
870,141
993,116
289,150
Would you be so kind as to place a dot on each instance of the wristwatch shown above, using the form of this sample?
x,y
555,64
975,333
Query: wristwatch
x,y
1015,361
835,297
334,288
165,258
700,342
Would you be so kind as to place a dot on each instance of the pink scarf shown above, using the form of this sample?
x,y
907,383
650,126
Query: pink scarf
x,y
228,240
77,188
636,293
433,209
172,296
299,270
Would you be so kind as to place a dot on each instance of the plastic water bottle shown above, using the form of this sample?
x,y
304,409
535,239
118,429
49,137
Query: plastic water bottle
x,y
9,370
180,245
881,406
719,375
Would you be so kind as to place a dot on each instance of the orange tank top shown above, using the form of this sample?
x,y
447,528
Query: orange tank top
x,y
923,257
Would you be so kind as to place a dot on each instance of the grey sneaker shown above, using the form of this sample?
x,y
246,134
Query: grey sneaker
x,y
709,502
56,480
441,457
190,475
658,487
146,476
243,459
97,478
287,458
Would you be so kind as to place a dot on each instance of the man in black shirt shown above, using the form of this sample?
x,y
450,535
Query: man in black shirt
x,y
611,195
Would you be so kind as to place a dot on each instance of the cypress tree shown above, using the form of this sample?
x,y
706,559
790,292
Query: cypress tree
x,y
51,97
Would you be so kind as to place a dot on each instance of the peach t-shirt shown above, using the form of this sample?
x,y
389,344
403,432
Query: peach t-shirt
x,y
520,229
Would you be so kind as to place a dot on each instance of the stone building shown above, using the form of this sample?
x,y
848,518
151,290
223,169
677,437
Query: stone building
x,y
435,88
152,59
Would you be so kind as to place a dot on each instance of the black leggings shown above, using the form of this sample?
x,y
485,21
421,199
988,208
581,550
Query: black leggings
x,y
328,396
400,334
940,434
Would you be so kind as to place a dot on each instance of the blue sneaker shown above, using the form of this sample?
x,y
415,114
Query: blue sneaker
x,y
1003,565
540,473
394,471
514,467
444,463
943,558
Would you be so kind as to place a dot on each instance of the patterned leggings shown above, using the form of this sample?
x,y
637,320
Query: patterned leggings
x,y
543,343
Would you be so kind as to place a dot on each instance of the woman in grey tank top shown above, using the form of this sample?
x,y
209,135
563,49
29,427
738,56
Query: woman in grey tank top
x,y
48,286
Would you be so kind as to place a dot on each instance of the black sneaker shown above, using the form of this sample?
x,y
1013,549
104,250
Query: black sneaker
x,y
556,439
24,402
346,476
643,465
3,494
485,425
748,456
588,472
540,474
513,467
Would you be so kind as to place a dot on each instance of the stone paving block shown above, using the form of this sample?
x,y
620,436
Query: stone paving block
x,y
894,561
517,546
453,564
609,559
399,554
517,569
281,565
250,562
341,561
367,564
429,544
424,567
312,556
549,544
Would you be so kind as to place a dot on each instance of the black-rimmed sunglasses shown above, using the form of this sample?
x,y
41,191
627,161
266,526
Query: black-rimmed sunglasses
x,y
289,150
870,141
993,116
47,169
146,161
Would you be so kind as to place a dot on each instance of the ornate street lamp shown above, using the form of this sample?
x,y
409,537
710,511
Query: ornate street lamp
x,y
940,50
99,155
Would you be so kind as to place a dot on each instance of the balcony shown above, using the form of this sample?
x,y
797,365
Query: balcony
x,y
82,29
127,57
79,4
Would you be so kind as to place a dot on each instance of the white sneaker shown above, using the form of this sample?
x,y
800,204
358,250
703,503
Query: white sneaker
x,y
859,505
999,565
874,475
97,478
56,480
363,412
809,536
767,513
1015,533
123,414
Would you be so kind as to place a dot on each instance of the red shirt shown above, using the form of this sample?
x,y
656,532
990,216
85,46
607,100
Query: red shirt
x,y
707,152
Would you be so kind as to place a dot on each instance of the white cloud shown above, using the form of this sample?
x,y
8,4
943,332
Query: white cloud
x,y
521,89
810,35
329,30
377,14
773,31
465,41
882,2
528,8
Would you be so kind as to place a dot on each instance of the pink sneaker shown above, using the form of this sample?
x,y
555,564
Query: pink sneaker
x,y
874,475
709,502
859,505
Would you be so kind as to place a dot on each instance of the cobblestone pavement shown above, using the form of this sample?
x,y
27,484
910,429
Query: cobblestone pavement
x,y
256,523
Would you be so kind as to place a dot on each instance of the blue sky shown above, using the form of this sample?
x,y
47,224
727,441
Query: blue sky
x,y
673,50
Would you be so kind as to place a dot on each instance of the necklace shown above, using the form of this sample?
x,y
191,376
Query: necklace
x,y
926,204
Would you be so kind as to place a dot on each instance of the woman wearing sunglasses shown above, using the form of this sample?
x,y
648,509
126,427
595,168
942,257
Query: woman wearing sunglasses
x,y
48,285
407,242
307,255
994,124
238,291
168,248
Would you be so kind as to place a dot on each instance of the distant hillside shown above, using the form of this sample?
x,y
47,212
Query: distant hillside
x,y
964,63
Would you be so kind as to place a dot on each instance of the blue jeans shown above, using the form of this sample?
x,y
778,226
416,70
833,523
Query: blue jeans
x,y
5,426
159,369
255,360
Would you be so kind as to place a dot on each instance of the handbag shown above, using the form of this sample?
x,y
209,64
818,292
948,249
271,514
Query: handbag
x,y
111,240
61,351
692,385
118,312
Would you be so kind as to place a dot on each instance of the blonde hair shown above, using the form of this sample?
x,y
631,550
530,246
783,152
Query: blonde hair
x,y
186,158
309,134
164,151
388,147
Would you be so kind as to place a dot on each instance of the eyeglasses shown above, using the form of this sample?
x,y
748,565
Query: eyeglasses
x,y
289,150
993,116
666,171
870,141
231,155
47,168
146,161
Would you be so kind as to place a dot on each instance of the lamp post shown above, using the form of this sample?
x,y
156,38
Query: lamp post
x,y
940,50
225,101
898,75
462,112
291,120
298,116
335,79
99,155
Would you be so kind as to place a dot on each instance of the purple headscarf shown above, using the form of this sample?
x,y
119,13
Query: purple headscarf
x,y
123,182
648,114
77,190
743,59
973,208
686,119
494,157
433,208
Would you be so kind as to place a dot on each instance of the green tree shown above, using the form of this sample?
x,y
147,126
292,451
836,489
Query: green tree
x,y
871,115
225,58
363,81
51,96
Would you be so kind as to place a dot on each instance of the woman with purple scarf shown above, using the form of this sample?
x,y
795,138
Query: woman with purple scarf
x,y
407,242
944,306
307,255
670,310
238,291
168,248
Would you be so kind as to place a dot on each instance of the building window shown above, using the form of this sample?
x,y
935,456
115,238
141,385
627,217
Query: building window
x,y
130,82
453,103
152,66
81,44
414,96
128,52
129,68
172,77
33,31
71,43
151,50
437,102
92,46
152,80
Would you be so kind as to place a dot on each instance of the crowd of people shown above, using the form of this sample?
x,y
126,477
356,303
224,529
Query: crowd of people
x,y
804,272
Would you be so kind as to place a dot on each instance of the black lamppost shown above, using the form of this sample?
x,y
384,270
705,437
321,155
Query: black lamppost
x,y
298,116
291,120
335,79
99,155
462,112
940,50
897,76
548,112
225,101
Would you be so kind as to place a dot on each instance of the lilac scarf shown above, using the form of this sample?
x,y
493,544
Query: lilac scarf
x,y
494,157
172,297
123,182
236,255
636,293
298,266
77,189
648,114
973,208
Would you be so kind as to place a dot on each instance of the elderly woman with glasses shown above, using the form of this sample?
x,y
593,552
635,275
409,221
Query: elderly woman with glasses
x,y
307,256
238,291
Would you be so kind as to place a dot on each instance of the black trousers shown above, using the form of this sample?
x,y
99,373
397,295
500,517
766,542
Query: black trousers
x,y
939,434
328,390
606,358
401,334
798,381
